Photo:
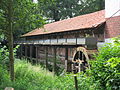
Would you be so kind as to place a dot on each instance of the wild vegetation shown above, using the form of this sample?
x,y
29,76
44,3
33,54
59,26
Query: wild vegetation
x,y
106,67
24,15
103,75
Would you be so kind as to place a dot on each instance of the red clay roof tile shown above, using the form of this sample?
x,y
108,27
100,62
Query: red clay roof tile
x,y
77,23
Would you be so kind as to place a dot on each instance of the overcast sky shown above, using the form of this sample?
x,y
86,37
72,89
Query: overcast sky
x,y
35,1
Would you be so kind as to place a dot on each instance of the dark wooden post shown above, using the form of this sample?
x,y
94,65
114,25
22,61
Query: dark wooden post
x,y
66,59
75,77
21,51
31,53
36,47
46,57
54,62
25,51
76,82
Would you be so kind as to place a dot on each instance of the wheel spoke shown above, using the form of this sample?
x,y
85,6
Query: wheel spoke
x,y
80,61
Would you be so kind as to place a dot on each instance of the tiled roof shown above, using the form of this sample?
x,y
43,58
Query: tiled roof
x,y
77,23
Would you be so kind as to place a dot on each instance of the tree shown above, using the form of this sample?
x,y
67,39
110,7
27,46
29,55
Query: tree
x,y
90,6
59,9
18,16
10,38
27,16
6,13
56,10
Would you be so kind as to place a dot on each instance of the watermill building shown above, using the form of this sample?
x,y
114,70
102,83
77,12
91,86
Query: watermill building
x,y
59,43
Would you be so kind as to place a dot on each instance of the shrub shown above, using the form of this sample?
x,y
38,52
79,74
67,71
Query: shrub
x,y
106,68
4,56
4,78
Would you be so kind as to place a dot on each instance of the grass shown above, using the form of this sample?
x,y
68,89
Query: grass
x,y
29,77
34,77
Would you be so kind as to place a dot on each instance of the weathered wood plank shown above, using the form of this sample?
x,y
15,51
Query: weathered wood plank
x,y
26,51
31,53
36,52
66,59
46,60
54,62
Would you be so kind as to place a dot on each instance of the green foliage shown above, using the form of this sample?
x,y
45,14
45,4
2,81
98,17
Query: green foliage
x,y
89,6
87,83
56,10
29,77
4,56
106,68
26,17
1,37
4,78
117,41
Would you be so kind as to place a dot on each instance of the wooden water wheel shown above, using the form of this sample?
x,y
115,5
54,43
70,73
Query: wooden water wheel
x,y
81,58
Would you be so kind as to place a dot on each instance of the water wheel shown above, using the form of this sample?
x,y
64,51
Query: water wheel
x,y
80,60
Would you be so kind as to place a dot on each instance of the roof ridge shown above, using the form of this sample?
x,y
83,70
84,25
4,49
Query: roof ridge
x,y
76,17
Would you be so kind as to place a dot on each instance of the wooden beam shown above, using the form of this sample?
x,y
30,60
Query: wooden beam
x,y
21,51
54,62
36,52
66,59
46,57
31,53
25,51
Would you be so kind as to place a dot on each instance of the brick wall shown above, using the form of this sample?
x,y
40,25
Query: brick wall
x,y
112,28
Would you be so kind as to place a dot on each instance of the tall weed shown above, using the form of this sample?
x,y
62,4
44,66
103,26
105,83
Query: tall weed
x,y
29,77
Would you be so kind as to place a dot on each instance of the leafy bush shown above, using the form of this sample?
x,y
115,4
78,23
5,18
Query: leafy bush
x,y
4,78
87,83
4,56
114,79
106,68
